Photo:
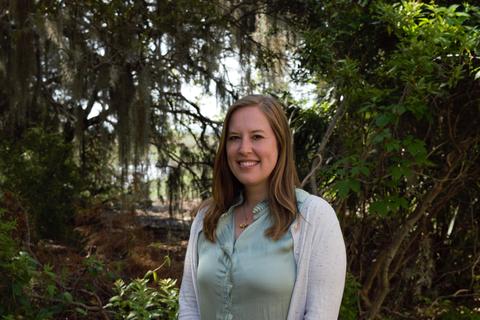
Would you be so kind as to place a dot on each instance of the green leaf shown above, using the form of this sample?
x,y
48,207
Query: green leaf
x,y
17,289
51,290
381,136
396,173
398,109
67,296
416,147
365,171
354,185
167,260
383,119
403,203
392,145
82,311
343,188
115,299
380,207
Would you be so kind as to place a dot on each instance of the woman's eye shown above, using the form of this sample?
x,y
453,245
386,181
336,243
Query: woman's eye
x,y
232,138
257,137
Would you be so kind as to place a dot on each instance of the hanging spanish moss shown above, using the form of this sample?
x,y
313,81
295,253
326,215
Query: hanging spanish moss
x,y
120,67
20,65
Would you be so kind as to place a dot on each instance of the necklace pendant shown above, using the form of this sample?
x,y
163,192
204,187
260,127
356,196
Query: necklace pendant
x,y
243,225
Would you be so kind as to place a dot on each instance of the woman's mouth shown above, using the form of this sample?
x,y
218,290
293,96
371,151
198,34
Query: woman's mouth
x,y
247,164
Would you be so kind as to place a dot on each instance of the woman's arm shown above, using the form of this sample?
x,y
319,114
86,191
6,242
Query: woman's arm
x,y
188,297
326,270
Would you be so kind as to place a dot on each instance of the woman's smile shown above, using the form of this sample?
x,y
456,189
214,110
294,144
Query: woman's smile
x,y
247,164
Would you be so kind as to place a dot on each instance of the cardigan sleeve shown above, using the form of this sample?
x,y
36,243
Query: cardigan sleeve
x,y
188,304
327,267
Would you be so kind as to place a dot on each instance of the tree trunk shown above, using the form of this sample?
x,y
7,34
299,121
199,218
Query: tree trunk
x,y
381,269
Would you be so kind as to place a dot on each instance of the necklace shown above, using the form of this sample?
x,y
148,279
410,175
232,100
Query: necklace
x,y
245,224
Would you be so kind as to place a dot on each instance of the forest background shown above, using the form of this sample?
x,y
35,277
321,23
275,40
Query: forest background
x,y
93,99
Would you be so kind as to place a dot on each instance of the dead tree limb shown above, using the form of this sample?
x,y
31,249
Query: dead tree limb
x,y
317,162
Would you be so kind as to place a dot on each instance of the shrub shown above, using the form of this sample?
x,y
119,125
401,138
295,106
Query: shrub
x,y
40,170
138,301
16,268
349,307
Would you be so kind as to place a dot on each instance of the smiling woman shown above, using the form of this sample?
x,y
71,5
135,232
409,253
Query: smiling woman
x,y
261,248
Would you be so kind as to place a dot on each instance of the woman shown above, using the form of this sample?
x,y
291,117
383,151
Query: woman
x,y
260,248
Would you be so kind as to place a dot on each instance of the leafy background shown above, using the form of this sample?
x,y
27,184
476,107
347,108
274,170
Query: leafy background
x,y
94,95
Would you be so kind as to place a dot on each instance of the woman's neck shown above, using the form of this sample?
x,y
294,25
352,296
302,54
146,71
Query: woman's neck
x,y
254,195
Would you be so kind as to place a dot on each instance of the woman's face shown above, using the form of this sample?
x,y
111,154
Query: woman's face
x,y
252,151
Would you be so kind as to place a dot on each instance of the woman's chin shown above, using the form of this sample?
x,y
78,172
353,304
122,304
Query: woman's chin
x,y
253,183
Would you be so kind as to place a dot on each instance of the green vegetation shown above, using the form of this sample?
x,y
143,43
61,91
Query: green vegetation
x,y
402,163
137,301
390,137
39,170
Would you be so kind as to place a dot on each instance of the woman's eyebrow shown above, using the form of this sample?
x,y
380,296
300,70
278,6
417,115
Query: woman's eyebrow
x,y
253,131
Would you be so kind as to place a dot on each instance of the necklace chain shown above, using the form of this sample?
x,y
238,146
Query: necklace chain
x,y
245,224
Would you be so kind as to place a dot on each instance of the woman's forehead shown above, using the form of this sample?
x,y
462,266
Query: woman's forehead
x,y
249,119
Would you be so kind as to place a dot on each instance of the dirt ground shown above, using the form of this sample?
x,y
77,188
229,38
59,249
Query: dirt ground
x,y
125,242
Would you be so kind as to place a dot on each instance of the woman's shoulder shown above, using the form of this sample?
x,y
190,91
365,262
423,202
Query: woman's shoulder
x,y
315,209
200,213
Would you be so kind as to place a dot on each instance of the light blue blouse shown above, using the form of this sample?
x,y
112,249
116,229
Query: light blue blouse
x,y
248,278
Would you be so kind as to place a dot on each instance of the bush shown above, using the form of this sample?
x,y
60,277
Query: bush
x,y
40,170
461,313
7,251
349,307
16,268
138,301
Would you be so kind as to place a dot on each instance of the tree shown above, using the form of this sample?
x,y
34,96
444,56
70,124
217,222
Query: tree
x,y
90,69
405,152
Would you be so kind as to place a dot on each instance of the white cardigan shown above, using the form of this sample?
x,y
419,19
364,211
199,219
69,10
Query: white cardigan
x,y
319,252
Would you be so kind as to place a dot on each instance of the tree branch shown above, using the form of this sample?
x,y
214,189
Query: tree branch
x,y
317,162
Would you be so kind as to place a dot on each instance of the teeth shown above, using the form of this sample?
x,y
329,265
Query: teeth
x,y
246,164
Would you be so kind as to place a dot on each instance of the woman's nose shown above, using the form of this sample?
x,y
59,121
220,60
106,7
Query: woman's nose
x,y
245,146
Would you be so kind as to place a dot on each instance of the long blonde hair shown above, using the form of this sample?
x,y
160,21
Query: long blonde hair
x,y
282,182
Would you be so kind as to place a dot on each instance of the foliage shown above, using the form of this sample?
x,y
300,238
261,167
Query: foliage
x,y
9,284
401,163
109,75
138,301
23,280
349,307
40,170
462,313
18,272
445,309
99,174
400,167
34,291
308,125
